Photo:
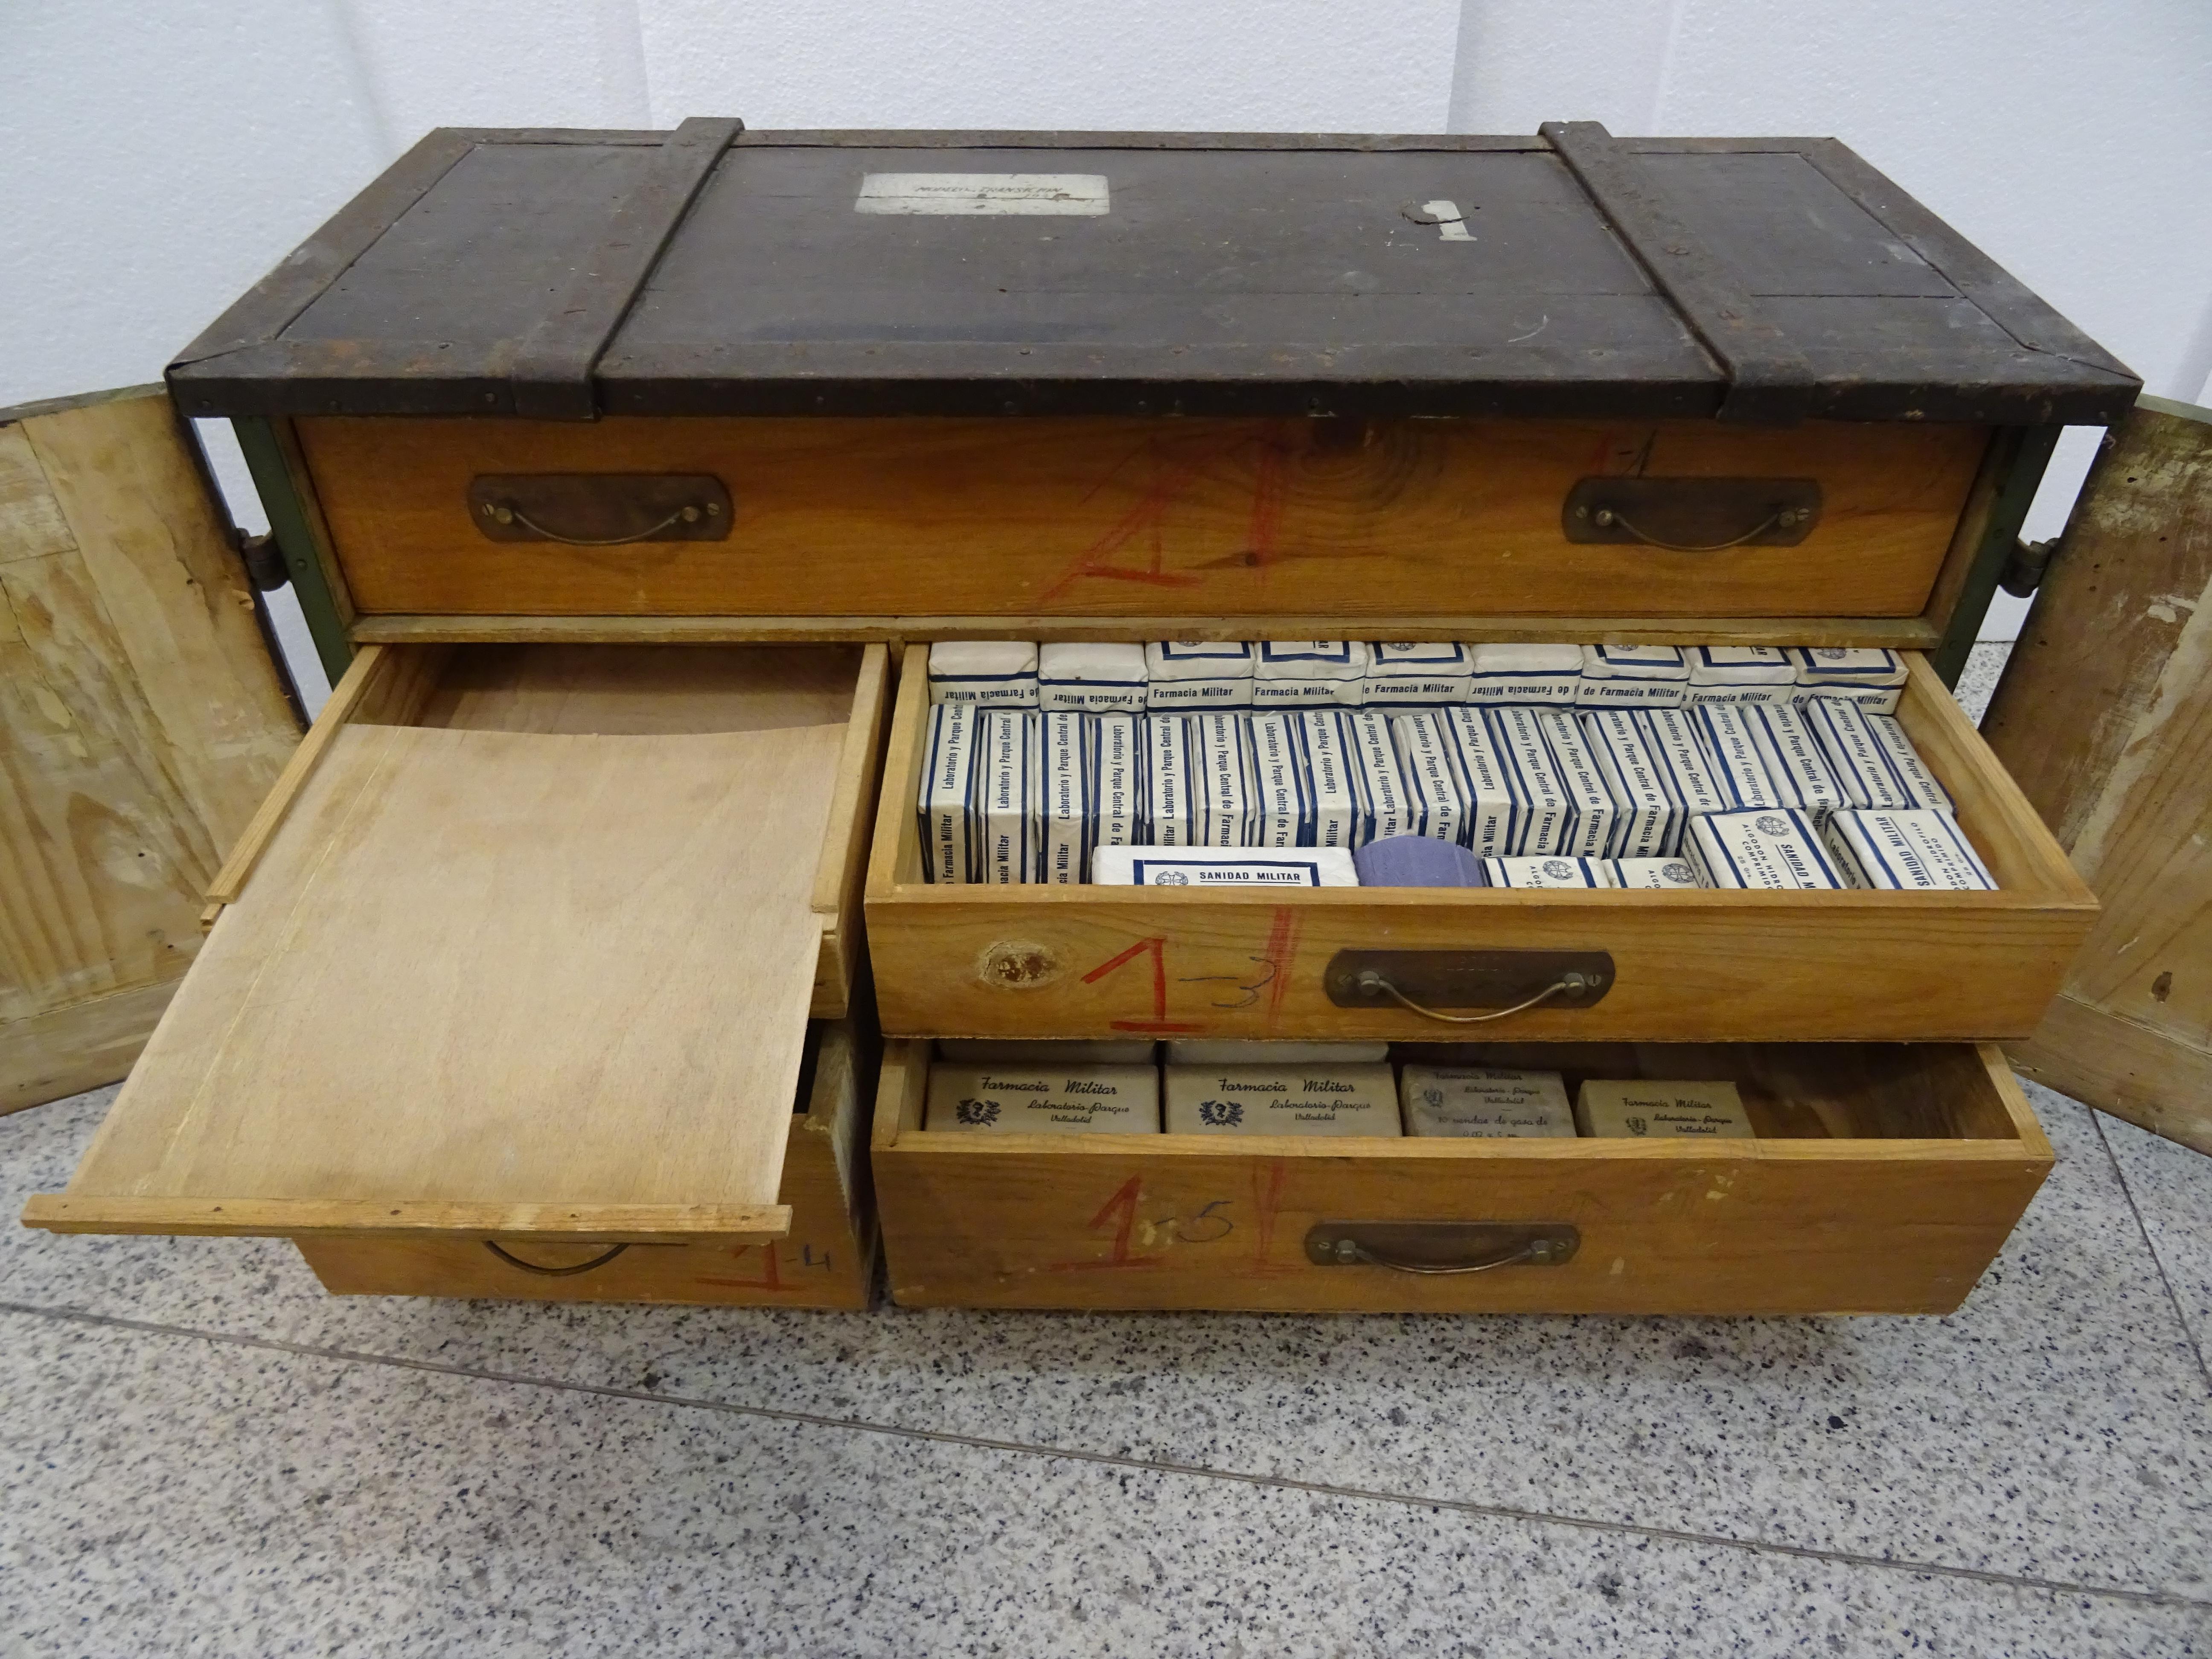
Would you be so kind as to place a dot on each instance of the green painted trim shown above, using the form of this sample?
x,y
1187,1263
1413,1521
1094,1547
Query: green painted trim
x,y
2021,454
288,522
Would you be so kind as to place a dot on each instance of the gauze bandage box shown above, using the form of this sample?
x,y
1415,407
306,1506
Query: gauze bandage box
x,y
1091,677
1510,673
1647,812
1114,755
1493,808
1248,868
1228,805
1428,757
1680,752
1417,676
1069,811
950,837
1386,807
1871,678
1872,760
1033,1100
1325,737
1731,749
1535,779
1919,850
1186,676
1557,871
1282,780
1010,773
1174,762
1592,815
1286,672
1740,673
1483,1100
1793,759
1282,1100
1661,1109
1775,850
1652,872
1632,676
1002,673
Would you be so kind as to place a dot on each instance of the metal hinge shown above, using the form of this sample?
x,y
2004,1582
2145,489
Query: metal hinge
x,y
264,560
2025,568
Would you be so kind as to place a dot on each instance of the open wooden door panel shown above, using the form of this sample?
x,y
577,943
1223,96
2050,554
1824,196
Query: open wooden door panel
x,y
141,721
2105,717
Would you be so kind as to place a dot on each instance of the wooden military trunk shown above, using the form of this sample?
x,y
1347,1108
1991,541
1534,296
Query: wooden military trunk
x,y
624,479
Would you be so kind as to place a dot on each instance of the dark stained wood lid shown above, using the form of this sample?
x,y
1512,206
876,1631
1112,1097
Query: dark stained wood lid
x,y
714,271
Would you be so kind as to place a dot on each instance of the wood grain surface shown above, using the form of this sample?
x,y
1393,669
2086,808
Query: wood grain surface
x,y
1135,517
141,723
2105,716
498,967
1794,1224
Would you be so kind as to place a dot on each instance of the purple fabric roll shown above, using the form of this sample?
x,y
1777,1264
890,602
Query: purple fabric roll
x,y
1417,861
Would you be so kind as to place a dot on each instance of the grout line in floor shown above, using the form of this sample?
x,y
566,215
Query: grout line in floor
x,y
2173,1297
1111,1460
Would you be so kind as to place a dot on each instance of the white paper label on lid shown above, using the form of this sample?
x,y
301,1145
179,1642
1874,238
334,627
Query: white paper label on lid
x,y
991,193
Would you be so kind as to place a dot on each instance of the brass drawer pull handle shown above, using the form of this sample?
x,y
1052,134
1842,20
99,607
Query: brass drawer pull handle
x,y
514,1261
1781,519
1441,1247
1574,987
506,513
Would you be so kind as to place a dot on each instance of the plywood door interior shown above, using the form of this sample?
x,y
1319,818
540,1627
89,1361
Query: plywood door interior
x,y
2105,715
142,721
489,967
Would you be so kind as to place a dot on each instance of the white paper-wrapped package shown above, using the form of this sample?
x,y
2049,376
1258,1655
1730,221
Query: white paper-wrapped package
x,y
1325,739
1290,672
1417,675
1740,673
1653,873
1174,764
1229,805
1872,760
1070,812
1507,671
1777,849
1429,756
1282,1100
1115,756
1593,816
1650,811
1385,798
1010,777
1188,676
1535,780
1871,678
1680,751
951,838
1091,677
1001,673
1791,755
1494,807
1914,850
1632,676
1282,780
1557,871
1223,868
1732,751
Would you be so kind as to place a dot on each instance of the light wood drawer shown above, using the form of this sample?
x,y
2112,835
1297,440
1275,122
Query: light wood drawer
x,y
860,518
1885,1181
522,949
827,1260
1685,966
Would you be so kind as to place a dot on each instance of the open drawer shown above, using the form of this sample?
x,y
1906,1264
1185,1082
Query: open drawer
x,y
1699,966
1884,1179
521,950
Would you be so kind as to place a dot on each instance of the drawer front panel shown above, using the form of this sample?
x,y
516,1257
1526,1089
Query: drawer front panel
x,y
1763,1227
1099,518
813,1268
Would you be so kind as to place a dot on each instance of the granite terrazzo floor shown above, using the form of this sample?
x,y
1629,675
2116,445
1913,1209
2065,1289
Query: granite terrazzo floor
x,y
200,1453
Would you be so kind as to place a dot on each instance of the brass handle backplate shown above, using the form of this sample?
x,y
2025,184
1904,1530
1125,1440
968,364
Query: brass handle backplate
x,y
1495,982
600,509
514,1261
1441,1247
1691,515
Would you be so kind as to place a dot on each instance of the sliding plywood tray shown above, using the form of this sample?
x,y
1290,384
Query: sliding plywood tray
x,y
524,952
1680,966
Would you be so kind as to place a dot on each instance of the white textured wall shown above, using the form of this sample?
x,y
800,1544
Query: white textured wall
x,y
163,155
